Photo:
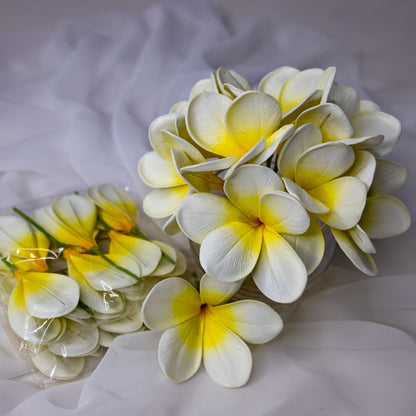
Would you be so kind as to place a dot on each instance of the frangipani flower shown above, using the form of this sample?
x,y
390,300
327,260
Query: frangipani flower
x,y
383,216
201,327
71,219
312,172
245,233
116,207
23,245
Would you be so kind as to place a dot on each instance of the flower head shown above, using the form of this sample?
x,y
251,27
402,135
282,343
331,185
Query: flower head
x,y
201,327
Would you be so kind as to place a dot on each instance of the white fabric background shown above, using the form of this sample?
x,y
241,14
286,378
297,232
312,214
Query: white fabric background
x,y
74,111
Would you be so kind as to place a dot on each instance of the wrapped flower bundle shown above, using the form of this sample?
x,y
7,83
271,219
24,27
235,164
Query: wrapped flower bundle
x,y
74,276
254,176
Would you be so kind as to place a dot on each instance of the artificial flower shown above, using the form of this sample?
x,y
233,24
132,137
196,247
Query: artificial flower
x,y
201,327
245,231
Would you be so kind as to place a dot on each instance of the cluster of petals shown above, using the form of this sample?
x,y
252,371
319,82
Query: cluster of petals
x,y
202,327
65,301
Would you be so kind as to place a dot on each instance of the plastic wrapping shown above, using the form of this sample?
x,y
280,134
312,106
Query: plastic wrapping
x,y
74,273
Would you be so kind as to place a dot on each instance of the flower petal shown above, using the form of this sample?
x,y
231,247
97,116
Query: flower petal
x,y
176,142
363,261
230,252
384,216
171,227
293,113
309,246
326,82
146,255
227,359
213,292
280,273
166,122
310,204
251,116
253,321
158,172
213,165
28,327
389,177
199,214
283,213
345,197
248,183
322,163
331,120
203,85
363,168
160,203
130,321
78,340
171,302
56,367
49,295
361,239
180,350
367,105
165,266
345,97
304,138
373,123
206,124
272,83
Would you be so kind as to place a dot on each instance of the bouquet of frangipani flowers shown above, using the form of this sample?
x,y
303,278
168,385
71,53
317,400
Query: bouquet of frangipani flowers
x,y
74,276
254,175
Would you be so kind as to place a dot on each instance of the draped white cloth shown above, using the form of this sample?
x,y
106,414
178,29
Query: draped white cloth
x,y
74,111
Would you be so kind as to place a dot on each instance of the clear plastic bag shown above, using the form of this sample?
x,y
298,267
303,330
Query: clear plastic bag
x,y
74,272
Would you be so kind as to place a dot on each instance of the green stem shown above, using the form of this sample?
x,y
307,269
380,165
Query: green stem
x,y
135,231
86,308
97,251
10,265
106,227
40,228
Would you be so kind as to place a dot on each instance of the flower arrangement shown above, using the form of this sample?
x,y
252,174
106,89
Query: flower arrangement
x,y
74,276
254,176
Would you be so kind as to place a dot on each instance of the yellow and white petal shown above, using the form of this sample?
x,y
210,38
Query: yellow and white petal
x,y
274,143
230,252
304,138
299,87
331,120
233,78
180,264
322,163
366,142
28,327
389,177
272,83
280,273
171,302
363,168
373,123
49,295
345,97
384,216
158,172
160,203
253,321
251,116
248,183
309,246
176,142
101,275
130,321
200,214
363,261
165,267
345,197
361,239
293,113
309,203
78,340
214,292
177,107
203,85
326,82
283,213
206,124
171,227
166,122
227,359
145,254
214,165
56,367
78,213
180,350
368,105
